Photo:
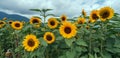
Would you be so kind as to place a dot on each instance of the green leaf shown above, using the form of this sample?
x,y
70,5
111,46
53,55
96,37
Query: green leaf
x,y
59,38
38,10
69,41
43,42
95,55
96,49
70,54
63,56
107,55
45,10
90,55
117,43
81,42
78,49
50,15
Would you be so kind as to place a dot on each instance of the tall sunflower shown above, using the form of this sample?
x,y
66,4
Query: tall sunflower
x,y
81,20
83,13
63,18
106,13
52,22
2,23
35,20
94,16
49,37
17,25
30,42
68,30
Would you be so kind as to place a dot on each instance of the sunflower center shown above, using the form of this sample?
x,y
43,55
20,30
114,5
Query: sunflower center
x,y
105,14
17,25
31,43
35,21
94,16
52,23
49,37
10,22
67,30
63,18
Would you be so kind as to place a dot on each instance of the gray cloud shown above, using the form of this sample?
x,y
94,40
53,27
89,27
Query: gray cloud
x,y
69,7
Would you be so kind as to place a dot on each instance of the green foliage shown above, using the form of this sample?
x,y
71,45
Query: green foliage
x,y
100,40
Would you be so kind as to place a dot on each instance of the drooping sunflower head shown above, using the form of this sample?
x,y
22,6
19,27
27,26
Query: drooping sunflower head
x,y
30,42
106,13
83,13
35,20
49,37
63,18
81,20
94,15
17,25
52,22
2,23
68,30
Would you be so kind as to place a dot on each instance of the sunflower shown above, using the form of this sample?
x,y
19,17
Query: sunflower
x,y
83,12
30,42
91,21
52,23
17,25
106,13
94,15
81,20
35,20
5,18
49,37
63,18
2,23
68,30
10,22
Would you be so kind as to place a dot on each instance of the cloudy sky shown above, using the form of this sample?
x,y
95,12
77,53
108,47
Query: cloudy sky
x,y
69,7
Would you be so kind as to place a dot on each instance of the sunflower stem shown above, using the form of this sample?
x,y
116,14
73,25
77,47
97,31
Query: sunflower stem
x,y
101,40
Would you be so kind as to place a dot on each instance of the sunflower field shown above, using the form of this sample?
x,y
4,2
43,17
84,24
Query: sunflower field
x,y
87,36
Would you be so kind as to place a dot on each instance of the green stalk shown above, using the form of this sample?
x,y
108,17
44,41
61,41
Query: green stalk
x,y
101,40
90,44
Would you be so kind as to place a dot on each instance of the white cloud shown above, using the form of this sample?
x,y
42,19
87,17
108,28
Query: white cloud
x,y
68,7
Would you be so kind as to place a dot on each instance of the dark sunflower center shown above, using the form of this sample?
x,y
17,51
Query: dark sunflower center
x,y
49,37
31,43
105,14
94,16
10,22
1,23
67,30
35,21
52,23
17,25
63,18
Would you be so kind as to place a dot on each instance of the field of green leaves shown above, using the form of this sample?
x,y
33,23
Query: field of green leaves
x,y
87,36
